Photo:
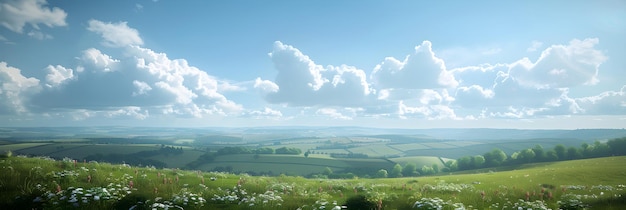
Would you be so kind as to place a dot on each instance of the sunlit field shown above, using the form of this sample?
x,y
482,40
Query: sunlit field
x,y
42,183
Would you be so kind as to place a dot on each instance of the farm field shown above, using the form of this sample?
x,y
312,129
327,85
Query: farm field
x,y
420,160
37,183
371,153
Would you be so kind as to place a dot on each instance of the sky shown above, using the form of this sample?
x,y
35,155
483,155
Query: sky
x,y
401,64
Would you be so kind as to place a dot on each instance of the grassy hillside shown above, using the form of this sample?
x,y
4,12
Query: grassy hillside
x,y
39,183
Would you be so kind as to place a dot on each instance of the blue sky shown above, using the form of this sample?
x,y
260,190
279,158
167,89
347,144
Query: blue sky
x,y
404,64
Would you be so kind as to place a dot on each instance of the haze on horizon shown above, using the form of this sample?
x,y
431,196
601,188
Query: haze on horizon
x,y
410,64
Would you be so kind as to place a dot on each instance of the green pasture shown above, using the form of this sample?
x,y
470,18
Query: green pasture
x,y
453,153
80,151
331,151
419,161
375,150
463,143
367,139
369,163
598,183
272,168
281,159
19,146
408,147
302,146
293,164
179,160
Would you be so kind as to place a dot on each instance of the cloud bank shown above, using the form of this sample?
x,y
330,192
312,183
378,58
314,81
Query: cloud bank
x,y
140,83
420,85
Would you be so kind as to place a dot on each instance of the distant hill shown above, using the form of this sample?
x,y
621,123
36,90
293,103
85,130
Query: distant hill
x,y
265,133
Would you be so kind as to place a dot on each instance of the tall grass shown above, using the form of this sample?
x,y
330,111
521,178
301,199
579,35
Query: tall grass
x,y
40,183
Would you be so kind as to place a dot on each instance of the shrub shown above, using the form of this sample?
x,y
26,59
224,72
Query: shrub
x,y
360,202
7,154
570,202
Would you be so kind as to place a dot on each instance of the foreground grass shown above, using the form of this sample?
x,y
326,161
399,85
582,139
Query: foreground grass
x,y
40,183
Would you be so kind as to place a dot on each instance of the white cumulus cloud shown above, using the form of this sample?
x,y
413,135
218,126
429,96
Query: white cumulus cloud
x,y
332,113
265,85
195,90
99,60
58,75
130,111
605,103
142,88
431,112
420,70
14,15
561,66
116,34
301,82
15,89
266,113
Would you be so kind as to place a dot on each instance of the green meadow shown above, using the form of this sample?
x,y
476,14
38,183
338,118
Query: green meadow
x,y
42,183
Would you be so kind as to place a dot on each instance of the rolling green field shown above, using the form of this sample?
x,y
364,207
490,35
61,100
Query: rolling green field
x,y
375,152
419,160
36,183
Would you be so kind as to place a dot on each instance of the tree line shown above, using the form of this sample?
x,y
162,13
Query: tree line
x,y
497,157
210,156
536,154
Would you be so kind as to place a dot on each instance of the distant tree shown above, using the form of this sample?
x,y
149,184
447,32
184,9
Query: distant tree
x,y
410,169
478,161
233,150
552,156
617,146
435,168
601,149
264,150
526,156
396,171
382,173
288,151
427,170
587,150
327,171
495,158
573,153
464,163
451,165
560,151
540,155
306,154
